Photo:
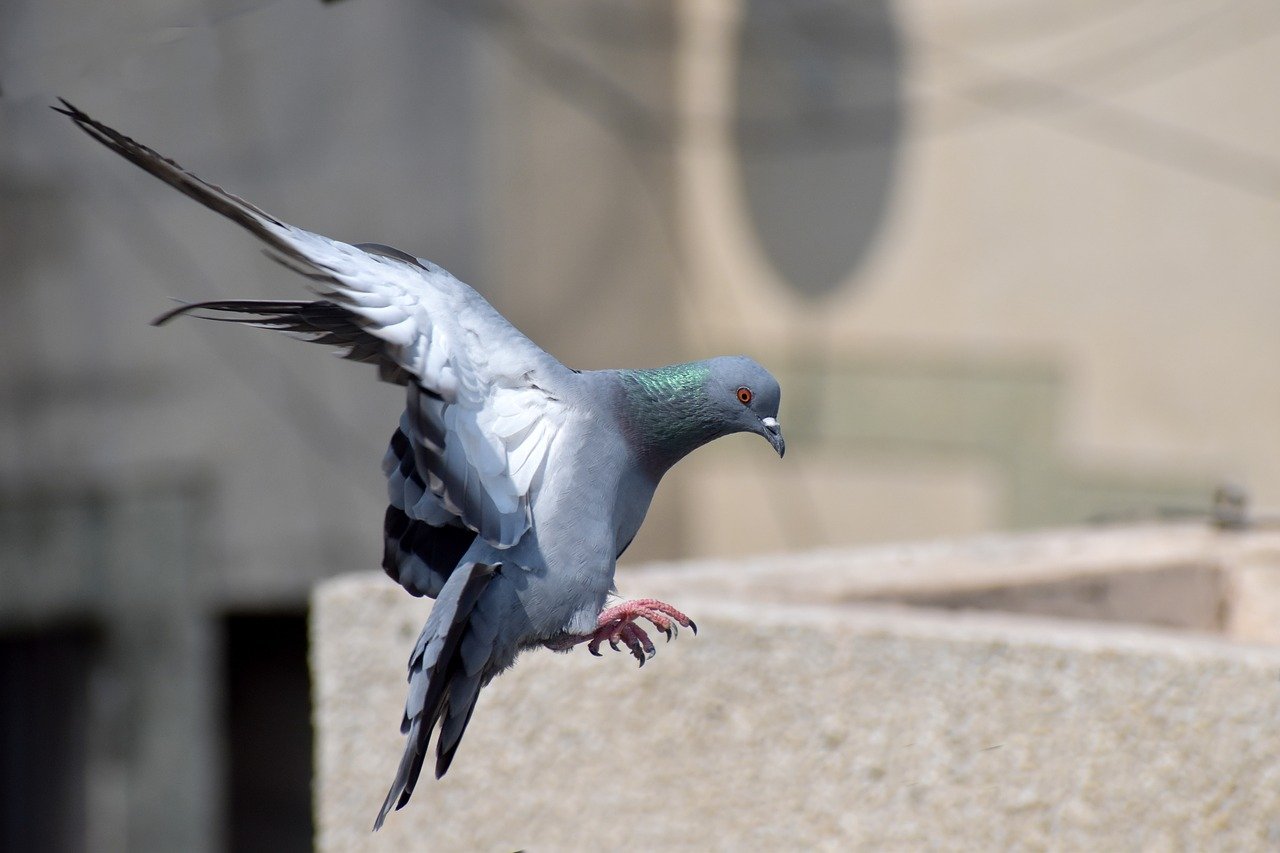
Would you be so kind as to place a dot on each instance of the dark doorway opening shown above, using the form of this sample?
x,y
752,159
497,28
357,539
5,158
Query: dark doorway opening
x,y
44,738
268,729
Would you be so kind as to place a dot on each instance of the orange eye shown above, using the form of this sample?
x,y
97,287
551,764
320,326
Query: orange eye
x,y
745,395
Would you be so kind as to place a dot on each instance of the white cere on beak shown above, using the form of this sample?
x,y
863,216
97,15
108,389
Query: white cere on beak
x,y
770,423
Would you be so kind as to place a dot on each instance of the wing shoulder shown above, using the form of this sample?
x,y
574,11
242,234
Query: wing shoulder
x,y
481,465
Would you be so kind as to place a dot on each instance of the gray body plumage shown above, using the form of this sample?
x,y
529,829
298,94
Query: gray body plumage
x,y
514,483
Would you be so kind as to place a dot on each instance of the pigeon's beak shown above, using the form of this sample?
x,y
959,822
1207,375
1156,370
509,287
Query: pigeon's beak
x,y
773,432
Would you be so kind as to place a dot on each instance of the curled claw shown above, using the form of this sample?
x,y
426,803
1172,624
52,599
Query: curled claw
x,y
638,642
636,651
618,626
659,621
645,641
663,615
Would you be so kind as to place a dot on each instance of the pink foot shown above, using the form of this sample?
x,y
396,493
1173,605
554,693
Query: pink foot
x,y
617,624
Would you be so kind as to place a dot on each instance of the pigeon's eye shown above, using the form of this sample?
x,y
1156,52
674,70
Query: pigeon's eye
x,y
745,395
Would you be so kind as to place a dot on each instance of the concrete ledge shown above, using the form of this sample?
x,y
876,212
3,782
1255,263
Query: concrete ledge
x,y
793,727
1180,576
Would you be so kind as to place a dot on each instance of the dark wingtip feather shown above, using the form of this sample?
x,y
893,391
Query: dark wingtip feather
x,y
266,309
67,109
248,216
172,313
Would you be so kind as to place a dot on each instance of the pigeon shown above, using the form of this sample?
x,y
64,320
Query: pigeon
x,y
514,482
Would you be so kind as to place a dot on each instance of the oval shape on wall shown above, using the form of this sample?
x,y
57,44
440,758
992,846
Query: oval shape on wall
x,y
817,127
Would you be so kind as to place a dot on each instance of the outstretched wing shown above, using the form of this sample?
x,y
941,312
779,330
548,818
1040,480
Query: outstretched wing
x,y
482,413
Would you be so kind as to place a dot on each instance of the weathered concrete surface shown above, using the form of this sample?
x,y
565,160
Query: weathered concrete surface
x,y
798,727
1182,576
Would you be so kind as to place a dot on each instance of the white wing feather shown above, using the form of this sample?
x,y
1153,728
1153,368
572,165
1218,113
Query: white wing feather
x,y
500,421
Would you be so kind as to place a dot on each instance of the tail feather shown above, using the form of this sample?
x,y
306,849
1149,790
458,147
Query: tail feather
x,y
436,676
462,702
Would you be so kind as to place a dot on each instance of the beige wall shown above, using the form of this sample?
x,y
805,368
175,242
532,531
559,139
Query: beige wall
x,y
1082,191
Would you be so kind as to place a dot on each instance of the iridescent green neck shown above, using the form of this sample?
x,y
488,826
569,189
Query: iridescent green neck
x,y
666,413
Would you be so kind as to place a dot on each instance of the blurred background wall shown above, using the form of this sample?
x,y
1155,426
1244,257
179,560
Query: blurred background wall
x,y
1015,263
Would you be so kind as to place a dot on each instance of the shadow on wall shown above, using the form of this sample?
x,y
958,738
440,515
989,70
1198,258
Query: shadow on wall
x,y
818,119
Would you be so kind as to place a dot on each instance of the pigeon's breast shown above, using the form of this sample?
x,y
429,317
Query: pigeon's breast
x,y
635,492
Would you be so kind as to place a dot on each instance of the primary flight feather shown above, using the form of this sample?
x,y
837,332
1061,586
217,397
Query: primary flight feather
x,y
514,482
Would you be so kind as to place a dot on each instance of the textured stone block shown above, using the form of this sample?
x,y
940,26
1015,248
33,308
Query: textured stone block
x,y
809,727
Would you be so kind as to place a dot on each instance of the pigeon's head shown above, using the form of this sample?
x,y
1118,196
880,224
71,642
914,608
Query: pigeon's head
x,y
747,397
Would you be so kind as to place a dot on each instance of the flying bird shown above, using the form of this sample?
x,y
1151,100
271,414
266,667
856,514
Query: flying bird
x,y
514,481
